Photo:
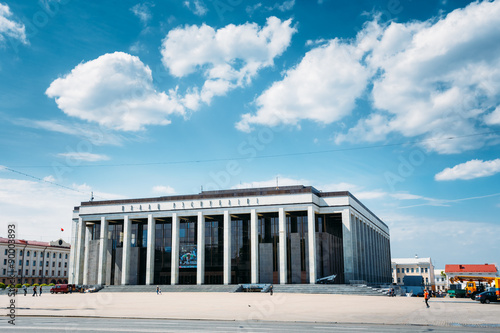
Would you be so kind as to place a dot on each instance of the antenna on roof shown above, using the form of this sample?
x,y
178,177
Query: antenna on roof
x,y
91,196
277,182
201,188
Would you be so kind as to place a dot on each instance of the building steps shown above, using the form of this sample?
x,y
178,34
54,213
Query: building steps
x,y
338,289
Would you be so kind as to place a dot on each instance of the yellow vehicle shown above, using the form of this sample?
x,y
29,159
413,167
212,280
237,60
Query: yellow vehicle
x,y
497,286
476,284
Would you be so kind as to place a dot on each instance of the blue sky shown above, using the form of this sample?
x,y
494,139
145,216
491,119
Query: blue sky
x,y
396,101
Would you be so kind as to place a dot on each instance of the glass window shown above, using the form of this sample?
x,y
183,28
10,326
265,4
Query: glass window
x,y
412,269
398,270
34,262
34,254
5,251
5,262
46,263
20,252
407,270
53,255
426,280
399,280
20,262
28,253
60,255
53,264
27,262
66,256
33,272
48,254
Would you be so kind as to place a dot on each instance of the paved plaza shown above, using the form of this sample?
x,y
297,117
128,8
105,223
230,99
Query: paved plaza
x,y
263,307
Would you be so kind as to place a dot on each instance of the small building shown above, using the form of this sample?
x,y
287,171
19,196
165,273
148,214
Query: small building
x,y
441,281
472,270
402,267
286,235
34,261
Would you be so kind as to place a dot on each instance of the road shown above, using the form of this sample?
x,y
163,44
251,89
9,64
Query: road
x,y
107,325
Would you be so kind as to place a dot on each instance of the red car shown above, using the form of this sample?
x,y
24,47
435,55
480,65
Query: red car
x,y
62,288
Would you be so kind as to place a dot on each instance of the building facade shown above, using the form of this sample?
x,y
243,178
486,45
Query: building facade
x,y
402,267
292,234
34,262
440,280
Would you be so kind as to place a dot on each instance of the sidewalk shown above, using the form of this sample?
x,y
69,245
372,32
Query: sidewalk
x,y
258,306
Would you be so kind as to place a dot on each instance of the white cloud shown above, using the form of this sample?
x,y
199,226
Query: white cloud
x,y
116,91
229,57
251,9
470,170
198,7
432,80
323,88
420,235
10,28
142,11
96,135
88,157
40,209
493,118
282,181
160,189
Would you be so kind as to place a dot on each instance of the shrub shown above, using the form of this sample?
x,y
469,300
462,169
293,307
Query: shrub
x,y
18,285
2,285
35,284
51,284
43,285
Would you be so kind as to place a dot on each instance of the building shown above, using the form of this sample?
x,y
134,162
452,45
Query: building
x,y
489,270
402,267
256,235
35,262
441,282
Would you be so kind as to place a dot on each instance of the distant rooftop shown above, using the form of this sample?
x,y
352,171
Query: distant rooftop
x,y
23,242
411,261
486,268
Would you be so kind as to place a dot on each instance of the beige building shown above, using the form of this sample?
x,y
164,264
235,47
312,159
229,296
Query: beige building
x,y
34,261
402,267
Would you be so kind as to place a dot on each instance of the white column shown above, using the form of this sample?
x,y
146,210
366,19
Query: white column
x,y
200,264
347,244
311,234
227,248
254,247
150,254
175,250
79,251
88,230
127,226
103,249
72,255
282,245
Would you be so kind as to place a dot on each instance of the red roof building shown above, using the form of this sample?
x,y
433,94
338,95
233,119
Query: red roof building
x,y
481,270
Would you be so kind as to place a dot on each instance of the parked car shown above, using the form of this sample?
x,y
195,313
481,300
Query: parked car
x,y
62,288
486,297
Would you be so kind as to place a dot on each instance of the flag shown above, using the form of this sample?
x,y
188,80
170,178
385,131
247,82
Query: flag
x,y
62,229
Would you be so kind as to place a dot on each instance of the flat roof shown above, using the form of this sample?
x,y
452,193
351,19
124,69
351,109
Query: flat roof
x,y
232,193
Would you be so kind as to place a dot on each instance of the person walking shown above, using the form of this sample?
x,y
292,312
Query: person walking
x,y
271,290
426,297
157,290
25,290
34,291
40,290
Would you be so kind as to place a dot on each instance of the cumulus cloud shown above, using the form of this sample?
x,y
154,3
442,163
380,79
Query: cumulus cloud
x,y
470,170
88,157
10,28
229,57
142,11
198,7
165,190
115,90
322,88
493,118
433,80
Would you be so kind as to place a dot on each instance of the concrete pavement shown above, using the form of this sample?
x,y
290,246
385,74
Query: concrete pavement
x,y
259,306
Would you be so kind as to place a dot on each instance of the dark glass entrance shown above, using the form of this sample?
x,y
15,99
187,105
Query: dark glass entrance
x,y
297,250
163,251
330,248
268,233
240,249
214,249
